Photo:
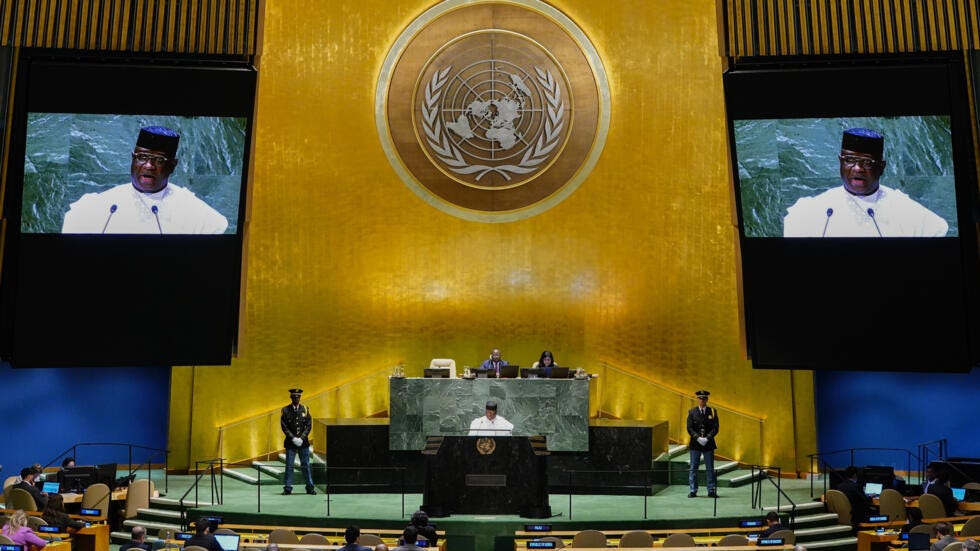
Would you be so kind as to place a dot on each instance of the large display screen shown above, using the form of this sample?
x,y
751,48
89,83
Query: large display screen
x,y
125,209
855,190
793,178
74,156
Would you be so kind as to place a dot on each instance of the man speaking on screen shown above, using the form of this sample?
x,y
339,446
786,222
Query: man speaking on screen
x,y
149,203
861,207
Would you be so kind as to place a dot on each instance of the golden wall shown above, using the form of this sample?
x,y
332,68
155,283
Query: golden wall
x,y
349,272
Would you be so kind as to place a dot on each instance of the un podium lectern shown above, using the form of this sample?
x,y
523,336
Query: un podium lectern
x,y
486,475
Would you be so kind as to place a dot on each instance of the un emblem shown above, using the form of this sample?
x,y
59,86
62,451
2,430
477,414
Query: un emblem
x,y
485,446
492,111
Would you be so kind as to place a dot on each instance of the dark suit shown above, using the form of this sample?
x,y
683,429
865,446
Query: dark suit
x,y
40,499
297,422
771,530
702,423
943,492
942,543
859,502
489,364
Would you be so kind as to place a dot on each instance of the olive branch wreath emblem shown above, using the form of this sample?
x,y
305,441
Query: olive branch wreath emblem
x,y
450,154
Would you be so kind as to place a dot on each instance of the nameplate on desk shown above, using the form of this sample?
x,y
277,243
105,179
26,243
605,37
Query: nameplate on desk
x,y
769,541
537,527
534,544
48,529
11,547
92,512
183,535
486,480
879,518
750,523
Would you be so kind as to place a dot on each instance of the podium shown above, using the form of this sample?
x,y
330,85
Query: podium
x,y
486,475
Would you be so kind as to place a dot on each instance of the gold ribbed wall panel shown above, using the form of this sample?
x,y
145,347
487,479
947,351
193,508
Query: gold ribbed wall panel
x,y
350,272
808,27
226,27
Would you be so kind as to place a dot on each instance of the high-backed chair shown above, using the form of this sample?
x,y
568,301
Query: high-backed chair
x,y
444,363
732,540
5,540
931,506
314,539
891,504
589,538
97,496
138,495
838,504
679,540
194,548
370,540
33,522
955,546
971,528
636,538
225,531
788,537
925,529
21,499
283,535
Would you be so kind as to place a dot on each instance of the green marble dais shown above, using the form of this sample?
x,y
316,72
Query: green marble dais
x,y
555,408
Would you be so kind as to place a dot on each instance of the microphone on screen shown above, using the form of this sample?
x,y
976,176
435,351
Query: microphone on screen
x,y
871,213
156,214
830,212
112,210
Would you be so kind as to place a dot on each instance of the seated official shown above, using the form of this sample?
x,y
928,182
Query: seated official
x,y
54,514
138,541
202,536
913,518
546,362
20,533
491,424
351,535
494,363
772,519
944,533
420,521
28,475
939,487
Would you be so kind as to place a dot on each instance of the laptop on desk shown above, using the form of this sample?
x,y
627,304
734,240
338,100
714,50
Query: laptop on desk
x,y
54,487
959,493
509,371
228,542
873,489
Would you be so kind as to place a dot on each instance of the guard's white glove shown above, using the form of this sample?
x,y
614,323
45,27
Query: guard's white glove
x,y
703,441
297,441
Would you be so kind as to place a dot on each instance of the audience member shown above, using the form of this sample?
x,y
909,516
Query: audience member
x,y
381,547
409,536
420,521
65,463
202,536
971,545
913,518
351,536
944,536
772,519
54,514
799,547
939,488
138,540
27,477
272,547
860,505
20,533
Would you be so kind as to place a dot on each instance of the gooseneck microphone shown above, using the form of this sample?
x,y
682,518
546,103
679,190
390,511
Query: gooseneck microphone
x,y
830,212
112,210
871,213
156,214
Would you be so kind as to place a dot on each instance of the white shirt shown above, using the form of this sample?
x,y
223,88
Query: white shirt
x,y
178,211
896,214
482,426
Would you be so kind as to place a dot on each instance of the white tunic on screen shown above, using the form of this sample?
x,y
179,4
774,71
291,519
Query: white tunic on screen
x,y
897,215
179,211
481,426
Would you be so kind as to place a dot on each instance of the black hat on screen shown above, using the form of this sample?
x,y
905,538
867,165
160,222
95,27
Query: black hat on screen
x,y
863,140
159,138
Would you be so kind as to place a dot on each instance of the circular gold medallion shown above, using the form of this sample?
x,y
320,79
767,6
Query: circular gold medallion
x,y
485,446
492,111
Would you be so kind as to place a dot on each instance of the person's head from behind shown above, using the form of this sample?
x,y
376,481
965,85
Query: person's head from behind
x,y
381,547
17,520
420,519
772,517
943,528
138,533
272,547
971,545
203,526
913,515
68,462
351,534
154,158
56,503
410,534
491,410
851,473
861,161
547,359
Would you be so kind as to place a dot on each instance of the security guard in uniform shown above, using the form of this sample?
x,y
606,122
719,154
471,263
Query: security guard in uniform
x,y
296,423
702,425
